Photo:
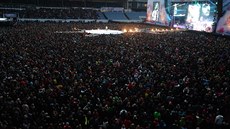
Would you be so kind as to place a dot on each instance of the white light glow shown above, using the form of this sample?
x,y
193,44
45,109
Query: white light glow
x,y
3,19
100,31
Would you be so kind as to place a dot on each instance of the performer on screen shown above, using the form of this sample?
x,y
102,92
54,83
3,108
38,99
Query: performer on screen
x,y
205,15
155,12
227,22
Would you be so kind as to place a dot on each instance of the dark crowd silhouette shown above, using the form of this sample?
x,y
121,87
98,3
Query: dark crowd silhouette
x,y
170,80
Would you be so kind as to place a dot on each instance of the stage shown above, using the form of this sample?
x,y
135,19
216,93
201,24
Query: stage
x,y
96,32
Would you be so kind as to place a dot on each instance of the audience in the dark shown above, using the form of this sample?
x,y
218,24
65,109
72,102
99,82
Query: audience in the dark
x,y
54,13
171,80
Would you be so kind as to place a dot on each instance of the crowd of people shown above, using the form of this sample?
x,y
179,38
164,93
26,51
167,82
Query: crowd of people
x,y
170,80
54,13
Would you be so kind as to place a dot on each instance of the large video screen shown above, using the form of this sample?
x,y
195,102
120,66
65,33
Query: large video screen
x,y
201,17
194,16
155,12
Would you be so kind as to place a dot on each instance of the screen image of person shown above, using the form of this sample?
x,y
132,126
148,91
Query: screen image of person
x,y
155,12
175,10
205,13
223,25
193,13
206,18
227,22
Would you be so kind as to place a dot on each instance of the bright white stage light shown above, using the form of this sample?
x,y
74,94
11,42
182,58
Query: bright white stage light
x,y
100,31
3,19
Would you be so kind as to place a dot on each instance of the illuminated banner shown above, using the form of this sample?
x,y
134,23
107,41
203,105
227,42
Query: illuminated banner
x,y
224,24
157,12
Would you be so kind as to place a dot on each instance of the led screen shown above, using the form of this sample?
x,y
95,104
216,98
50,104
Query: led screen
x,y
193,13
155,12
194,16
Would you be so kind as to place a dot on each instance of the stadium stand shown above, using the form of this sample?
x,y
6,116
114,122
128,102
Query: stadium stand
x,y
115,16
53,13
135,15
101,15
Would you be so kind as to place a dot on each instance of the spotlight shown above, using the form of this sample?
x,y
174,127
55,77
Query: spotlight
x,y
125,30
